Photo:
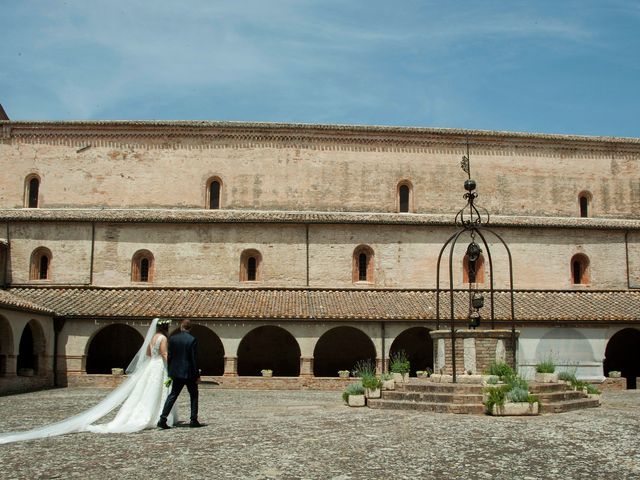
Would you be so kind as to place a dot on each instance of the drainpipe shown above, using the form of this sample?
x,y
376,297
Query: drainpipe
x,y
93,242
626,251
307,247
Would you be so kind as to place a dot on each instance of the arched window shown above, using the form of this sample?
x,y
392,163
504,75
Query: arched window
x,y
580,269
214,191
250,266
32,191
404,194
584,201
142,266
363,264
40,265
469,275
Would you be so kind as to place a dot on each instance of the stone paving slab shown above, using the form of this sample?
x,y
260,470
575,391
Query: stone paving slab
x,y
312,435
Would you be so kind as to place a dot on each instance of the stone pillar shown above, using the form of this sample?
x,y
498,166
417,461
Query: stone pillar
x,y
469,355
306,366
379,365
11,366
230,366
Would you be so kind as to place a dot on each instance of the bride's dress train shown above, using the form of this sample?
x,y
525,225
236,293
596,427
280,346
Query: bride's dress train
x,y
143,406
142,396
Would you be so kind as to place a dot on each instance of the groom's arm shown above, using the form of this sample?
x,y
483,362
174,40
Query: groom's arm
x,y
194,356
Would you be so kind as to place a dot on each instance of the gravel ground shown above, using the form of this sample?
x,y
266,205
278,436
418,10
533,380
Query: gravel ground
x,y
312,435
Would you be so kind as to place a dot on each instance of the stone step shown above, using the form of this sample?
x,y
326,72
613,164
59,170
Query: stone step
x,y
568,405
450,388
432,397
547,387
427,406
553,397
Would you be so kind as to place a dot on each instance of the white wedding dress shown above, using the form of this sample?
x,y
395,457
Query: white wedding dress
x,y
141,395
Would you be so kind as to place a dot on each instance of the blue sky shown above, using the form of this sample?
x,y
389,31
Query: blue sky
x,y
537,66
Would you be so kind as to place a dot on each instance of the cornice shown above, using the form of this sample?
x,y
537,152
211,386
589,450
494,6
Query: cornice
x,y
172,133
198,216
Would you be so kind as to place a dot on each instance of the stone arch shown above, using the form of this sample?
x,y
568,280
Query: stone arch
x,y
114,346
6,344
340,348
404,196
210,350
40,264
363,264
566,347
418,345
580,269
32,191
269,347
31,349
623,354
213,199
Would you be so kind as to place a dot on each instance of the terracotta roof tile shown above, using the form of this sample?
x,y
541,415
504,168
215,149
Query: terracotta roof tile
x,y
11,301
322,304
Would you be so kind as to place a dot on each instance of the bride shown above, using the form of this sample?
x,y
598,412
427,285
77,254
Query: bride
x,y
142,395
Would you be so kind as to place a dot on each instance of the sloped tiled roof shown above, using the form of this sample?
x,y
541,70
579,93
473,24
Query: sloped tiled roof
x,y
327,304
16,302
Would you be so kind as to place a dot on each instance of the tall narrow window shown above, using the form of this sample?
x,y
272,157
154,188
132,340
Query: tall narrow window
x,y
252,269
32,186
362,270
584,201
362,267
144,270
580,269
214,191
404,196
40,268
142,266
250,266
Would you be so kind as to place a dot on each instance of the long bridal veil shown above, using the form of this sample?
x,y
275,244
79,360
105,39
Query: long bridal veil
x,y
80,422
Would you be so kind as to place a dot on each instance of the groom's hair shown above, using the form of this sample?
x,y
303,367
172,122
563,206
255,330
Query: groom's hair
x,y
186,324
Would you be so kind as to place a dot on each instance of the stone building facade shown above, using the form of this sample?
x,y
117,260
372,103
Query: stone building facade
x,y
304,248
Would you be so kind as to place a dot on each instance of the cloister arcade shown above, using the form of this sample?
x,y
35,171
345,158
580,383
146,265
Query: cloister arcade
x,y
289,349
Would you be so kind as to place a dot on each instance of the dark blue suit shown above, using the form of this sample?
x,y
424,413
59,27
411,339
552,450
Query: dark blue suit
x,y
183,370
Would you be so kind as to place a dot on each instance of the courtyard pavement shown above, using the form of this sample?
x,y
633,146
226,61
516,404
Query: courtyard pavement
x,y
312,435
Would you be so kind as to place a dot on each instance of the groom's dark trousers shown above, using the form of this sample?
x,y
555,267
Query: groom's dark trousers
x,y
183,370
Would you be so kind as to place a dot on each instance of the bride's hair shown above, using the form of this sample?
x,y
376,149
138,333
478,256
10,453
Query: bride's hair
x,y
162,328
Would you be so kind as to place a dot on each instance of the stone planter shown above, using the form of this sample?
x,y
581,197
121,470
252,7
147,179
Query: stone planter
x,y
546,377
343,373
422,374
444,378
371,393
468,378
519,408
356,401
615,374
389,384
117,371
400,377
266,373
594,396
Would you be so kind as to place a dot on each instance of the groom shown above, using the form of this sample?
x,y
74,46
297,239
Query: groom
x,y
183,370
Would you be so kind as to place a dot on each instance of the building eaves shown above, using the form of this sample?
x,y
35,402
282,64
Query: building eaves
x,y
153,215
264,130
